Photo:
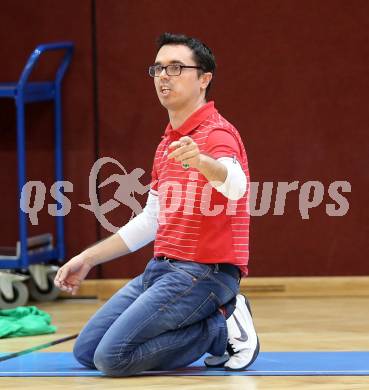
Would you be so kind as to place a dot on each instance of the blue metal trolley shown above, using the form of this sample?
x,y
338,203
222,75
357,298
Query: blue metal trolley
x,y
24,269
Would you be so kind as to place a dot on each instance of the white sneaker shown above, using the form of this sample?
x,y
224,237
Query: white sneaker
x,y
243,343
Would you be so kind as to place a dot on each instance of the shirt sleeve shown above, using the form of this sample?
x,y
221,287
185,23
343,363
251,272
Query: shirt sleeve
x,y
235,184
142,229
221,143
154,180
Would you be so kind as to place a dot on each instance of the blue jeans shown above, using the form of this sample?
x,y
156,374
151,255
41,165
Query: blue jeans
x,y
163,319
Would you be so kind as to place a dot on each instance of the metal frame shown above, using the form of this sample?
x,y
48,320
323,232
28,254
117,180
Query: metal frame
x,y
24,92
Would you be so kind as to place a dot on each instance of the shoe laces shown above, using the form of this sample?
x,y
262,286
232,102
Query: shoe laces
x,y
230,349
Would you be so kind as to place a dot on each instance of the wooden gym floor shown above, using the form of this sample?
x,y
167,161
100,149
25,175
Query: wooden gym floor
x,y
283,324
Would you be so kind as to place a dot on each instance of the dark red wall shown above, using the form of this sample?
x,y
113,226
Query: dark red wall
x,y
292,76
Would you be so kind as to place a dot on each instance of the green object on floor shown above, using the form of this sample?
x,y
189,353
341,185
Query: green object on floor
x,y
25,321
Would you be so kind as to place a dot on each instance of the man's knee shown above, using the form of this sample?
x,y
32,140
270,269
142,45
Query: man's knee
x,y
110,364
83,353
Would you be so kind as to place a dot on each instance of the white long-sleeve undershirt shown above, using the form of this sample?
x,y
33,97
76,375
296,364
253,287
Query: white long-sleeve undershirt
x,y
142,229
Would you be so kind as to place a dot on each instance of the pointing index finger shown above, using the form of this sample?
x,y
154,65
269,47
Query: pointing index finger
x,y
174,144
185,140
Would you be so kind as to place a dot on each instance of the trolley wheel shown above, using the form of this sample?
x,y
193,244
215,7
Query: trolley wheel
x,y
20,296
50,294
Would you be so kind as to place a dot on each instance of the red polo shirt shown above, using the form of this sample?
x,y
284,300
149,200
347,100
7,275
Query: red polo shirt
x,y
196,222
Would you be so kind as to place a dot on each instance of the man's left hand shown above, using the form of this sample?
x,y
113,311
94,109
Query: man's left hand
x,y
186,151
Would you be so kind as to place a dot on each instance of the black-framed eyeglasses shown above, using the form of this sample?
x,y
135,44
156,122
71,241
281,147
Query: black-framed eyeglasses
x,y
170,70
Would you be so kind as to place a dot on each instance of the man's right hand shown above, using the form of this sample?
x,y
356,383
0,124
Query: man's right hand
x,y
70,276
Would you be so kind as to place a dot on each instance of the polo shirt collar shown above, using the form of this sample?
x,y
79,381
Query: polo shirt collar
x,y
194,120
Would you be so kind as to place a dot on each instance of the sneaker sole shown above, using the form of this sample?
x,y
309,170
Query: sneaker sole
x,y
216,361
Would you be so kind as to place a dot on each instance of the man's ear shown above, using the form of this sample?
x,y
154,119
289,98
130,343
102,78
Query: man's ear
x,y
205,79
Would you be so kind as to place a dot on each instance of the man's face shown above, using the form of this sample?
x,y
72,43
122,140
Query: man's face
x,y
177,92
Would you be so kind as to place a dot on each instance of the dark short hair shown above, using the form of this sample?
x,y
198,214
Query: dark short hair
x,y
202,55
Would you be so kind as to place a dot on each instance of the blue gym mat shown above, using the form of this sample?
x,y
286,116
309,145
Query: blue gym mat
x,y
267,364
